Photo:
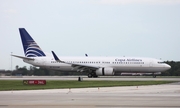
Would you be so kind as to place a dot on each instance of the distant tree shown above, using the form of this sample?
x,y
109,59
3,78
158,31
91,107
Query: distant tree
x,y
17,67
175,69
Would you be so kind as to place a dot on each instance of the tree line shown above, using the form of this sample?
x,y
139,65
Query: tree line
x,y
174,71
34,71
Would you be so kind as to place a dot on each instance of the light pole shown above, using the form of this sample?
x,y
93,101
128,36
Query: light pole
x,y
11,63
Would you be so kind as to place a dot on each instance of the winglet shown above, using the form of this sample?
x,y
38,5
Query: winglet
x,y
55,57
86,55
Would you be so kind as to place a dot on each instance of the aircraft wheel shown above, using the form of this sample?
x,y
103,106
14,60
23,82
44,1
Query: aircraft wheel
x,y
89,75
154,76
94,75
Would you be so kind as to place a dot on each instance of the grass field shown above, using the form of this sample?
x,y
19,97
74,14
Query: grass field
x,y
18,85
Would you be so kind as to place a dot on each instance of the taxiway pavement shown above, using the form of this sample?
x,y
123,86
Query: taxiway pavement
x,y
115,78
152,96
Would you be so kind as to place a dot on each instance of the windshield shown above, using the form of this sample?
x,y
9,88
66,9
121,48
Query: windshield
x,y
160,62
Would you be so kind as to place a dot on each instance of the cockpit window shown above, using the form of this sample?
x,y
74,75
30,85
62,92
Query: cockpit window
x,y
160,62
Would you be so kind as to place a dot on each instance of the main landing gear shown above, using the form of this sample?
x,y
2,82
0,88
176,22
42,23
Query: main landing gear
x,y
92,75
154,76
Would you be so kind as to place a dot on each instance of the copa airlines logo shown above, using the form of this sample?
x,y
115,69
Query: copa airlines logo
x,y
128,59
33,50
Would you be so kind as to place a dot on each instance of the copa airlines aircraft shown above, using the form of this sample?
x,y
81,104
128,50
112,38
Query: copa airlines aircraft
x,y
94,66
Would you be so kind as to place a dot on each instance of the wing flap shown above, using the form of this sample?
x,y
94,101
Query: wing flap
x,y
84,66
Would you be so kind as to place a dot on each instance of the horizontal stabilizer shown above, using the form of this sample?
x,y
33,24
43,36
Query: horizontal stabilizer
x,y
24,58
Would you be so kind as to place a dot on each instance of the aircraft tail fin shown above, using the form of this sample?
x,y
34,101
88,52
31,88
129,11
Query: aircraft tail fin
x,y
31,48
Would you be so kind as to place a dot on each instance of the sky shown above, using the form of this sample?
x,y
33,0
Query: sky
x,y
138,28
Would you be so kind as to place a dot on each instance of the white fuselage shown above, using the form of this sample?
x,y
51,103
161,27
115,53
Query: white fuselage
x,y
95,66
119,64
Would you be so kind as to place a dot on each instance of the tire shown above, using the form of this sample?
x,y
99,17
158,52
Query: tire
x,y
89,75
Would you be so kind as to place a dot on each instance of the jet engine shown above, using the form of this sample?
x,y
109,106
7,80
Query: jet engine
x,y
104,72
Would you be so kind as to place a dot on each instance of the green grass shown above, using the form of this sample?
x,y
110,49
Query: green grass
x,y
18,85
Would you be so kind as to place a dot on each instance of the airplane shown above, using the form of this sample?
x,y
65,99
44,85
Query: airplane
x,y
94,66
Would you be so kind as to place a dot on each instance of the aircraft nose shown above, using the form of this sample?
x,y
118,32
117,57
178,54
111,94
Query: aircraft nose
x,y
167,66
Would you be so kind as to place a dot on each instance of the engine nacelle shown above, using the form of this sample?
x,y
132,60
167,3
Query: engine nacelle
x,y
105,72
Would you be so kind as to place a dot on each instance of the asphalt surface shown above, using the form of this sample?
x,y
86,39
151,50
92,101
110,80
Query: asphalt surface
x,y
116,78
152,96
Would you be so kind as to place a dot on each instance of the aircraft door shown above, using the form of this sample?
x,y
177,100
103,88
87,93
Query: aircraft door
x,y
40,62
151,66
43,62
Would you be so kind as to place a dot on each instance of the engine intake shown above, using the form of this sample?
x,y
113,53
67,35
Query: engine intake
x,y
105,72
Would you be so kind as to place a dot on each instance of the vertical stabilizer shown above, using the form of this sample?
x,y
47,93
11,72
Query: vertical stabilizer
x,y
31,48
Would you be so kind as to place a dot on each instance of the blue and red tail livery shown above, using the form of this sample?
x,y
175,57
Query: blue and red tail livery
x,y
31,48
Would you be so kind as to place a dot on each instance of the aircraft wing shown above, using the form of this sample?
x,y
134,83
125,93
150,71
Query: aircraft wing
x,y
24,58
75,65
